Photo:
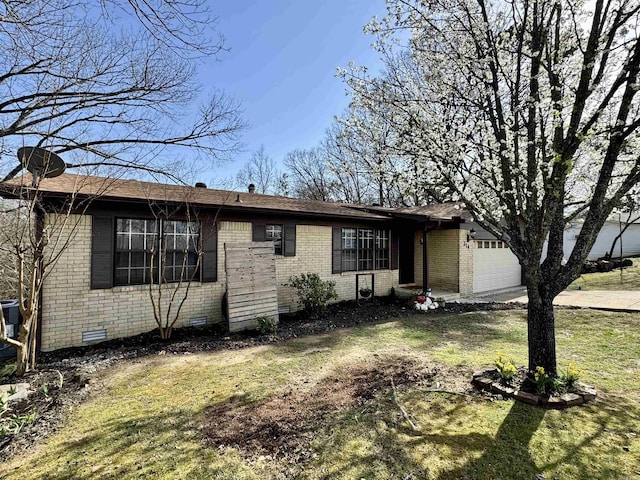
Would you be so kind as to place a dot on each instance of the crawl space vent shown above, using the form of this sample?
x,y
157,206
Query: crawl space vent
x,y
198,322
94,335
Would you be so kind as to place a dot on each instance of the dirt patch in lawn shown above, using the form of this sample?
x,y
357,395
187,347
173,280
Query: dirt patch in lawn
x,y
80,367
284,426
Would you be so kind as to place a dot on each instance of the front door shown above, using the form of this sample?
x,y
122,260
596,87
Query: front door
x,y
406,260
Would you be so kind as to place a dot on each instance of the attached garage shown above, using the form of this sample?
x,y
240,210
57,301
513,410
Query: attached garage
x,y
494,266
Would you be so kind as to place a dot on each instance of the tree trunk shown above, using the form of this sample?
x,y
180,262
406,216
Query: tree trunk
x,y
22,360
541,330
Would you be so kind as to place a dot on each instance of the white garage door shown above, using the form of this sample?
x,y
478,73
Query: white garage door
x,y
494,266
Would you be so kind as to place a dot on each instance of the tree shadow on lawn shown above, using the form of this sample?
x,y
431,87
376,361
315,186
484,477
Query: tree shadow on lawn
x,y
468,329
529,441
166,445
356,430
575,441
505,456
423,331
404,453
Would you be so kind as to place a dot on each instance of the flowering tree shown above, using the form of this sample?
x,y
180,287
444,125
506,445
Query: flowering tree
x,y
370,140
527,112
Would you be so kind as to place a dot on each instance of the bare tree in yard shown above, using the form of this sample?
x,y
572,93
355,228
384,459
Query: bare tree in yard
x,y
528,113
73,79
358,161
260,170
41,231
8,272
309,176
175,256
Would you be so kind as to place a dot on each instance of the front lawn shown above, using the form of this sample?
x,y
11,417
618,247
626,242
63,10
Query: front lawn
x,y
323,407
627,279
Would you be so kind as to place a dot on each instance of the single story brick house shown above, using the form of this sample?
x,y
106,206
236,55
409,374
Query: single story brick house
x,y
99,287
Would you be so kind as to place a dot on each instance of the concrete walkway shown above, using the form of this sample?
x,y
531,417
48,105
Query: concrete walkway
x,y
600,299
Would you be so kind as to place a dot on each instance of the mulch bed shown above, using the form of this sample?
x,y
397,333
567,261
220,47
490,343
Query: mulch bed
x,y
78,366
523,389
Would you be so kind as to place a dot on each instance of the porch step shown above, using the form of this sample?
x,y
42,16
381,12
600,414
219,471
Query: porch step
x,y
410,291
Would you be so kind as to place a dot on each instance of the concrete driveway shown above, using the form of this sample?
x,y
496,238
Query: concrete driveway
x,y
601,299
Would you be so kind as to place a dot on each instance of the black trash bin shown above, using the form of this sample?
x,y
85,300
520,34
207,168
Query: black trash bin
x,y
13,319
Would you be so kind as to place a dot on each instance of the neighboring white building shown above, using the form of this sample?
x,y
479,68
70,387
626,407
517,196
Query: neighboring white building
x,y
630,240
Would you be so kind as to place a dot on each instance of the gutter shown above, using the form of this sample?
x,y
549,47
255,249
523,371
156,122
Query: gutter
x,y
230,207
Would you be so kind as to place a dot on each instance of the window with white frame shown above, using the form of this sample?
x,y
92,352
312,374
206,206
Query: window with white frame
x,y
274,233
382,249
179,249
146,247
349,249
365,249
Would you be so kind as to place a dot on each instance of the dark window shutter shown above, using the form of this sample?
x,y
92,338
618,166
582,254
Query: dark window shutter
x,y
102,238
336,261
290,240
395,249
259,231
209,263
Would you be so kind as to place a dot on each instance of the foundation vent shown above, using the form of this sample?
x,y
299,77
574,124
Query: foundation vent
x,y
94,335
198,322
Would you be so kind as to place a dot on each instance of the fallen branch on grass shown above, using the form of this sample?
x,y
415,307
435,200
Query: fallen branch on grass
x,y
414,426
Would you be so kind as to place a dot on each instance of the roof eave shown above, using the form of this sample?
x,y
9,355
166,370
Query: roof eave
x,y
230,207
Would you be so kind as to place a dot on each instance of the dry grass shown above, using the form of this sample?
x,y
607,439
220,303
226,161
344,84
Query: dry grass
x,y
150,417
627,279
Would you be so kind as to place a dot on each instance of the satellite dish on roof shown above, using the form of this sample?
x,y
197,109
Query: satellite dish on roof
x,y
41,163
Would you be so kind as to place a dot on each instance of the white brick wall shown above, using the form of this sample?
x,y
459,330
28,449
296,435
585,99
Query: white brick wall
x,y
70,307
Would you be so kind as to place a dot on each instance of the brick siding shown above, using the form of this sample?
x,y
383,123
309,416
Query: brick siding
x,y
70,307
443,255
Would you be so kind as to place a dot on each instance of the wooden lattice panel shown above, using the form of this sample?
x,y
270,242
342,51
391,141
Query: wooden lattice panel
x,y
251,284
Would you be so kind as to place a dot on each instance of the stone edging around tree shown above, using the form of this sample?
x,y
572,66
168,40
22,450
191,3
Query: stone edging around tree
x,y
580,394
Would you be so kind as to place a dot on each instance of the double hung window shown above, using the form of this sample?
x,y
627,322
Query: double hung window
x,y
365,249
274,233
146,247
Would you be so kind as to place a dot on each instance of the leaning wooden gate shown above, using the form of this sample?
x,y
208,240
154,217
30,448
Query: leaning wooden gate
x,y
251,284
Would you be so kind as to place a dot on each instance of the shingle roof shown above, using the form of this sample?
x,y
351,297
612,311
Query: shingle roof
x,y
435,211
136,190
124,189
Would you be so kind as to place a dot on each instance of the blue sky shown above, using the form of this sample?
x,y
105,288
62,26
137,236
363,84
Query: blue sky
x,y
281,65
